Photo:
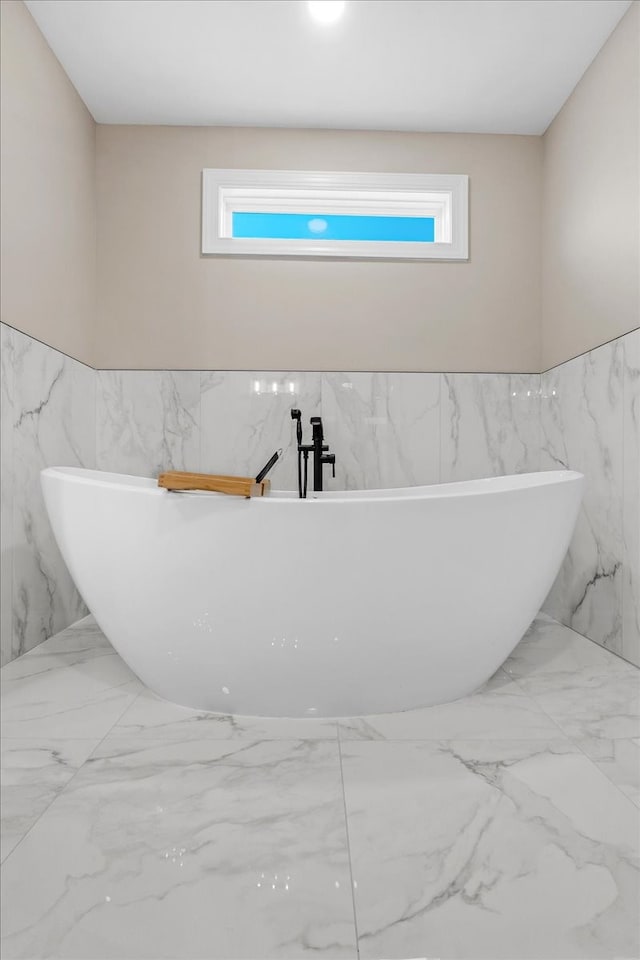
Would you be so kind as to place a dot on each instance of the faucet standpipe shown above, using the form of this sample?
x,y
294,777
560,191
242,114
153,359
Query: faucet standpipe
x,y
320,457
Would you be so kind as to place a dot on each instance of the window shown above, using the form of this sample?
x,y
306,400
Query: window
x,y
322,214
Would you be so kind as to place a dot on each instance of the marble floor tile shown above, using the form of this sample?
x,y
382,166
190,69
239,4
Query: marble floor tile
x,y
494,850
551,650
84,637
71,686
33,772
619,760
151,716
499,710
587,691
191,849
476,828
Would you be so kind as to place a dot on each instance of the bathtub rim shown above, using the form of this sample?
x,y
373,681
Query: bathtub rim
x,y
484,486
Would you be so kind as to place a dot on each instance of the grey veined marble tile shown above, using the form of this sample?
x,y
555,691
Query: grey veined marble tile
x,y
151,716
495,850
490,425
52,424
147,421
246,417
500,709
619,760
33,774
194,848
582,429
383,427
72,686
631,499
587,691
6,494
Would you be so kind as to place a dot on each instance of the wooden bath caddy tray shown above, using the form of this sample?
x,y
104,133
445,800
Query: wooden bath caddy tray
x,y
235,486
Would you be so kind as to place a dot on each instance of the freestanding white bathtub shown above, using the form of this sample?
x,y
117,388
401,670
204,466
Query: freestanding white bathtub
x,y
345,604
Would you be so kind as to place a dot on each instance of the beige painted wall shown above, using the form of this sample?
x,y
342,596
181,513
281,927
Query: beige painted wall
x,y
48,192
161,304
591,218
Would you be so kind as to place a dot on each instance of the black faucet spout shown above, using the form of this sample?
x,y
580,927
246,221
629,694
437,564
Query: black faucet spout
x,y
320,457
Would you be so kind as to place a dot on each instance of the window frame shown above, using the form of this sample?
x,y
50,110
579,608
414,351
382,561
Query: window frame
x,y
443,196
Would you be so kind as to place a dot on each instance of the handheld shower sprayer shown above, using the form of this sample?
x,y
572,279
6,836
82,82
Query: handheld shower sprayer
x,y
297,416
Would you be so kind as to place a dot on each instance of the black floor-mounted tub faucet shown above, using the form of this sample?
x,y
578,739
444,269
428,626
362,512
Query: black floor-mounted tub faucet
x,y
320,455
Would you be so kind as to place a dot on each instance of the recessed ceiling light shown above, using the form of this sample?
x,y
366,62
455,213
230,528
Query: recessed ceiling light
x,y
326,11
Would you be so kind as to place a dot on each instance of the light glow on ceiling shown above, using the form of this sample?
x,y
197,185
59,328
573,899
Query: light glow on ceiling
x,y
326,11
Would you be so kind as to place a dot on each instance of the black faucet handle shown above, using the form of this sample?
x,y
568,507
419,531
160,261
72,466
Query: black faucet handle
x,y
330,458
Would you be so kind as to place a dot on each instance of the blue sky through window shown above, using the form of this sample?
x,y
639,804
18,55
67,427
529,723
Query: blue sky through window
x,y
311,226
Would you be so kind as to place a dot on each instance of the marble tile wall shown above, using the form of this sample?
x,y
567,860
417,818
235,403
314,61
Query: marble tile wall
x,y
147,421
397,429
631,498
387,429
590,421
245,416
6,495
490,425
383,427
47,416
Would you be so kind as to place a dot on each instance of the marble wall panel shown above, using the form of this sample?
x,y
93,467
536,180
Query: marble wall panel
x,y
490,425
52,422
246,417
631,499
383,427
6,493
147,421
582,429
387,429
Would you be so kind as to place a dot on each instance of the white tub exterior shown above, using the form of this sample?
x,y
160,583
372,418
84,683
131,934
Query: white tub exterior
x,y
347,604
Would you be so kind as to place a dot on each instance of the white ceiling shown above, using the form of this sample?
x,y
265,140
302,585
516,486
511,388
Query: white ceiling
x,y
485,66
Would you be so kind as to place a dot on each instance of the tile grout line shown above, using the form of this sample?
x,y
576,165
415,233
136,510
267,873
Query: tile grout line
x,y
346,827
72,778
574,741
601,646
601,771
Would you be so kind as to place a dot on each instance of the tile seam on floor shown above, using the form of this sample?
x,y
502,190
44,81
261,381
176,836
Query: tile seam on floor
x,y
574,741
603,773
346,827
39,736
93,740
99,742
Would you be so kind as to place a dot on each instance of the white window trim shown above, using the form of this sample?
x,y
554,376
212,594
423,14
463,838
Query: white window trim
x,y
442,196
